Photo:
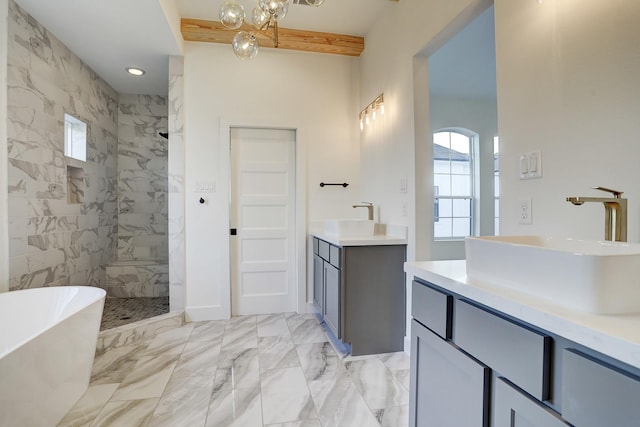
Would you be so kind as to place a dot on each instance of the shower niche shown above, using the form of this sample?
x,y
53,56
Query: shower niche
x,y
75,185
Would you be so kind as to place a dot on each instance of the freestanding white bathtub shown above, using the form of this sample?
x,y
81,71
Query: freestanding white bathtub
x,y
47,344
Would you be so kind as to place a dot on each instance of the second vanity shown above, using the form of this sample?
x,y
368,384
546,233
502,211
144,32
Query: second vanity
x,y
358,289
483,355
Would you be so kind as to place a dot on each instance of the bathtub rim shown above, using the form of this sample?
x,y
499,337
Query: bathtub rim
x,y
93,295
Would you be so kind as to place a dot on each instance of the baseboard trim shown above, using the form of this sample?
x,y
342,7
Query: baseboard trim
x,y
311,308
206,313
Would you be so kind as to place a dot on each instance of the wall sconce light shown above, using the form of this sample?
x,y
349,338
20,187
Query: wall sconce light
x,y
375,108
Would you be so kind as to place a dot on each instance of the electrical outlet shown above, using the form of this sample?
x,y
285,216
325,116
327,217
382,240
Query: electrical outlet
x,y
524,210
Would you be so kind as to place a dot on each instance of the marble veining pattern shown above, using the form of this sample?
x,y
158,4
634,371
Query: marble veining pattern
x,y
367,375
142,178
131,281
176,193
209,374
54,242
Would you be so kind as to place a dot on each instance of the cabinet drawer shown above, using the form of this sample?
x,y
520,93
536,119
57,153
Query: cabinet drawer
x,y
315,245
518,353
511,408
323,250
432,308
334,256
596,395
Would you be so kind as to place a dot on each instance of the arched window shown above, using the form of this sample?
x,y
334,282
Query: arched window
x,y
453,173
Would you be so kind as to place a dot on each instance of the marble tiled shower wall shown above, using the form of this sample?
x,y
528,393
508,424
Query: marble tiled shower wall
x,y
53,242
176,184
142,178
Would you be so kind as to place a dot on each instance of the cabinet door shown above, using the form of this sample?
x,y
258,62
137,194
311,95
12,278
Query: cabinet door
x,y
595,394
448,388
513,409
318,283
332,298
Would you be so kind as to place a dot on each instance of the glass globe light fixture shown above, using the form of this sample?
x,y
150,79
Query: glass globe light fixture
x,y
275,8
268,5
259,17
245,45
281,10
231,14
264,16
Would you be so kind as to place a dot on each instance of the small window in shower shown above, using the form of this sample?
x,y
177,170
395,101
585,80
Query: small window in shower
x,y
75,138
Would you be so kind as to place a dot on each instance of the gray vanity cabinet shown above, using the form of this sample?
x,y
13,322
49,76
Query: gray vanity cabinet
x,y
331,311
536,378
326,284
359,292
318,282
513,408
595,394
448,388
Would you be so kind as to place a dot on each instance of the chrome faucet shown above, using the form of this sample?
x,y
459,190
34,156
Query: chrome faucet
x,y
615,209
369,207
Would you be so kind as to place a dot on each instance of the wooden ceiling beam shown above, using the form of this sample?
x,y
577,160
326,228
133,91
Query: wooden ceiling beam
x,y
199,30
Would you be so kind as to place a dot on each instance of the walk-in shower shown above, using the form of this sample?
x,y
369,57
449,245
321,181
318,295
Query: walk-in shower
x,y
137,280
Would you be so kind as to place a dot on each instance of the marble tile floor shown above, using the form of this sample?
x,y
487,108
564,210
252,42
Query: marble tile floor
x,y
122,311
252,371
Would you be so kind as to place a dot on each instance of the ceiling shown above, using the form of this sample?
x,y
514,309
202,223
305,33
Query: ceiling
x,y
353,17
111,35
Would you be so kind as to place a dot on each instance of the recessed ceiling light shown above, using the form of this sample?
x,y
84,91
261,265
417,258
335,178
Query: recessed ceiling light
x,y
135,71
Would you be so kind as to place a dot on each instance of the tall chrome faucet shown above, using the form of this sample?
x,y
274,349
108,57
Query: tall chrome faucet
x,y
369,207
615,210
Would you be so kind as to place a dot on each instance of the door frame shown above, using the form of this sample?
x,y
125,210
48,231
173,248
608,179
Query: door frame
x,y
300,273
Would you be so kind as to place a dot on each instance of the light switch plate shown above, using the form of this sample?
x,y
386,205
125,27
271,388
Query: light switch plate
x,y
205,187
524,166
404,184
531,165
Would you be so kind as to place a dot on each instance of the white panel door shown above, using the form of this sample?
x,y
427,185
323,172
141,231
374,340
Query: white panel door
x,y
263,215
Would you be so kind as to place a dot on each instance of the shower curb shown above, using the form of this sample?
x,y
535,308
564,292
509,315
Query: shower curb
x,y
135,332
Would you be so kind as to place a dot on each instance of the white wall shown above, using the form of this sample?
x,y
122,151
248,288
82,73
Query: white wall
x,y
390,153
394,62
568,73
4,221
569,85
313,93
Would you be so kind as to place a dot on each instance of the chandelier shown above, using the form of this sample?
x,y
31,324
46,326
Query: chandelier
x,y
264,16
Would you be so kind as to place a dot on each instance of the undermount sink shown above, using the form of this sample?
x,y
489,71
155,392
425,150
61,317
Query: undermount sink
x,y
599,277
352,228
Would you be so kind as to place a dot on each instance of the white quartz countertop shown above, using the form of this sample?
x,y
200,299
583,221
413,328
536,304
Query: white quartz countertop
x,y
375,240
389,235
617,336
